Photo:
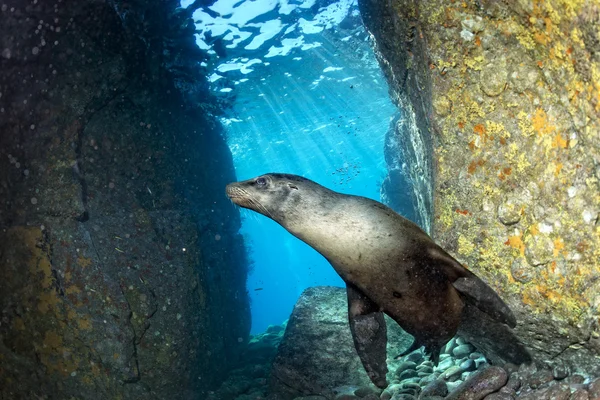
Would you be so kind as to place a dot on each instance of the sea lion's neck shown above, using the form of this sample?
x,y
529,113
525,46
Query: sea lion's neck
x,y
335,227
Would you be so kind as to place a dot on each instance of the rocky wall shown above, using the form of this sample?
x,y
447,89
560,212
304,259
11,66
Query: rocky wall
x,y
509,92
123,275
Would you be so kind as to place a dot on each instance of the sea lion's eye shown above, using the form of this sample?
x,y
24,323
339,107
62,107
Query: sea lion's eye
x,y
261,181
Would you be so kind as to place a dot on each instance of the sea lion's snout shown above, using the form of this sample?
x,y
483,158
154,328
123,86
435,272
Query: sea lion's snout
x,y
244,195
236,193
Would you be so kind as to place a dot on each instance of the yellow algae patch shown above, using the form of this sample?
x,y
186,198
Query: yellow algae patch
x,y
73,289
83,261
525,124
52,340
47,300
516,242
465,246
559,244
540,122
84,323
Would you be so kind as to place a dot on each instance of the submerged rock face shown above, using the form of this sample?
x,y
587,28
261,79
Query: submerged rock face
x,y
123,275
510,93
317,355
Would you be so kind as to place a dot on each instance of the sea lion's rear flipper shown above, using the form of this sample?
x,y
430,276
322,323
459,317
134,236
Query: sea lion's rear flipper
x,y
473,289
369,333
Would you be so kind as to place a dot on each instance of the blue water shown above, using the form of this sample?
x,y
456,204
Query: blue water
x,y
332,134
307,99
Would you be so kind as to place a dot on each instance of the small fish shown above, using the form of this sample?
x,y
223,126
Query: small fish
x,y
257,289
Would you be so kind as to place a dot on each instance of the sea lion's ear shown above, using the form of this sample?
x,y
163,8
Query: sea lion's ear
x,y
292,186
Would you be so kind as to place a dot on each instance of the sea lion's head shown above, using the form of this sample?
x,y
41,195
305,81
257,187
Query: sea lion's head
x,y
281,197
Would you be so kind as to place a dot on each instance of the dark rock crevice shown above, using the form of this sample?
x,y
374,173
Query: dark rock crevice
x,y
108,117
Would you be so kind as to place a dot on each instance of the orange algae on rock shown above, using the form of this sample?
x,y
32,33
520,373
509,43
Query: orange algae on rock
x,y
548,153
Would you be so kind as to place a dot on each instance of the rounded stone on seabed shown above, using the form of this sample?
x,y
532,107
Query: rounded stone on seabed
x,y
405,365
514,382
560,371
594,389
580,394
480,384
407,374
452,386
492,78
450,345
415,357
435,388
425,369
403,396
363,391
499,396
345,396
468,365
452,373
462,350
445,364
539,378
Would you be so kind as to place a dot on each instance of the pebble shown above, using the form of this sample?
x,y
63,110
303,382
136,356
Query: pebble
x,y
539,378
425,368
575,379
594,389
447,363
514,382
556,391
435,388
345,396
560,371
468,365
406,365
415,357
407,374
579,394
403,396
449,346
370,397
364,391
463,350
499,396
480,384
452,372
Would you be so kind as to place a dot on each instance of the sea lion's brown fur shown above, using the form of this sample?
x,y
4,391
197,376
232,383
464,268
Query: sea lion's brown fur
x,y
382,254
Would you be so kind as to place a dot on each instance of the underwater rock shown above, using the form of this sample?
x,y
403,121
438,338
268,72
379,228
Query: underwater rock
x,y
304,365
480,384
511,118
108,289
435,388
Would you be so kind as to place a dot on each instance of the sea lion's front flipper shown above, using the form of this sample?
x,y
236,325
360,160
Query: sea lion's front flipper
x,y
369,333
473,289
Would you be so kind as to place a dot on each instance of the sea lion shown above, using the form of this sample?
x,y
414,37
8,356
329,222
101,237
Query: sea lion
x,y
389,264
